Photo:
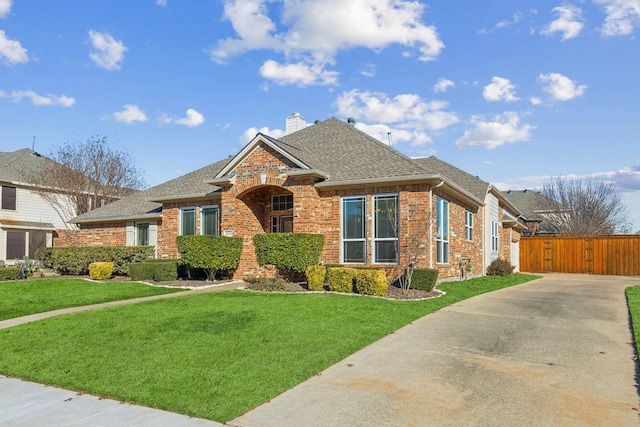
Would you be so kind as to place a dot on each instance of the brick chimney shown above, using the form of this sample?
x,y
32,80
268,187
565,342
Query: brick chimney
x,y
295,122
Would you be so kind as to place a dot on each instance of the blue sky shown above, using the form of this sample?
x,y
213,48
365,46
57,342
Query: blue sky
x,y
514,92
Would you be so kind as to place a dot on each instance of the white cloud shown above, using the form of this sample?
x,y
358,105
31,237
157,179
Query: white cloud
x,y
623,16
131,114
192,119
298,74
11,51
312,32
250,133
561,87
500,89
503,129
535,100
161,3
385,133
624,179
107,52
514,20
443,85
405,110
47,100
569,22
369,70
5,8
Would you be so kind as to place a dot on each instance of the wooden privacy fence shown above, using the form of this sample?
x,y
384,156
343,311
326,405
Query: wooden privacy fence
x,y
611,255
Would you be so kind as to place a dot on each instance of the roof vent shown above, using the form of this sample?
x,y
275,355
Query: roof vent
x,y
295,122
351,121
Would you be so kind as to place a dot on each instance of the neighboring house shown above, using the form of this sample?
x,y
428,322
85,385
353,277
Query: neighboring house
x,y
532,215
367,199
27,220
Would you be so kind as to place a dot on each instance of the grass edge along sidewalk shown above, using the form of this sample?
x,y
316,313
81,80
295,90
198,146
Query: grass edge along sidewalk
x,y
633,301
214,355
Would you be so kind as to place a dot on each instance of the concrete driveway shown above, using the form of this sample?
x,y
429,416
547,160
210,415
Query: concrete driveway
x,y
553,352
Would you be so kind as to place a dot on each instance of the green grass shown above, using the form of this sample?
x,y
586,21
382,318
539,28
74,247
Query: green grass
x,y
212,355
633,299
24,297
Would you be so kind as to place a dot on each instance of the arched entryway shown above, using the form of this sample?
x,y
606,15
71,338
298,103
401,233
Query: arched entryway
x,y
272,206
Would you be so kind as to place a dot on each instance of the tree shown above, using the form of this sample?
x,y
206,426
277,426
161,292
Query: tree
x,y
581,207
86,175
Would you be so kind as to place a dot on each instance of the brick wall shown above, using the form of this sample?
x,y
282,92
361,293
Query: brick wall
x,y
169,228
110,234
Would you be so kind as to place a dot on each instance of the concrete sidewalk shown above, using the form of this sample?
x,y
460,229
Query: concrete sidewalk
x,y
553,352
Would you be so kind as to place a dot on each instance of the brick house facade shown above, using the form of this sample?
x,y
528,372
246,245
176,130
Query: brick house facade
x,y
330,179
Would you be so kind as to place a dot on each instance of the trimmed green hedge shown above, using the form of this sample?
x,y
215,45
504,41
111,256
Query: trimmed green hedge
x,y
424,279
371,282
10,273
289,251
340,279
160,270
76,260
315,277
212,253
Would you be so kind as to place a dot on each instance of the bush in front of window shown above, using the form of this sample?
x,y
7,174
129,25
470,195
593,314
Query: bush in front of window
x,y
10,273
424,278
500,267
212,253
371,282
289,251
76,260
101,270
340,279
315,277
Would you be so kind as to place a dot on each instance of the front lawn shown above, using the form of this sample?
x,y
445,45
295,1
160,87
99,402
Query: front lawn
x,y
212,355
633,299
24,297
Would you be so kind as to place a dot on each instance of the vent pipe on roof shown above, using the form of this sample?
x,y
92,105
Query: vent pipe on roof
x,y
295,122
389,138
351,121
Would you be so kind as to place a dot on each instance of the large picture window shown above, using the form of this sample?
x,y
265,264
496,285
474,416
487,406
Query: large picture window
x,y
385,238
187,221
442,230
8,198
209,220
353,230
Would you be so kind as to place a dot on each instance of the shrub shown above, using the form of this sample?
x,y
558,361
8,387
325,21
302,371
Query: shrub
x,y
76,260
424,279
10,273
266,283
327,267
212,253
160,270
289,251
371,282
315,277
500,267
101,270
45,256
340,279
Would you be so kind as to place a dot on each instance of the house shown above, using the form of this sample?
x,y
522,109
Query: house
x,y
28,220
533,209
367,199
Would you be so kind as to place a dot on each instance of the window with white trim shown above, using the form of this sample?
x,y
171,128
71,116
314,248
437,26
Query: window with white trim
x,y
142,234
354,239
282,202
8,198
209,220
385,228
187,221
494,235
442,230
468,225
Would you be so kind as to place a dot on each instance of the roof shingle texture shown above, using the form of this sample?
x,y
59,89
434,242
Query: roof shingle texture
x,y
473,184
21,166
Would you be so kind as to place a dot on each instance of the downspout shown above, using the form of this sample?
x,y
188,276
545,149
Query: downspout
x,y
431,221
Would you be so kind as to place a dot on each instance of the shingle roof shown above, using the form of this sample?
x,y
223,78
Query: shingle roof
x,y
525,201
19,167
142,204
346,153
473,184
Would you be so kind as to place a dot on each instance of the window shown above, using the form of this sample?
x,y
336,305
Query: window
x,y
385,238
16,244
282,224
142,234
8,198
282,202
468,225
494,235
353,230
442,230
187,221
209,220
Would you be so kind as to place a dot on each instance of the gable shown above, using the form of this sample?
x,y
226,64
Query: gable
x,y
263,158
